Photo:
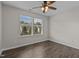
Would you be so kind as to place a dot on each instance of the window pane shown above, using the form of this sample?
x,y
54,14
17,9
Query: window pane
x,y
26,25
37,27
37,21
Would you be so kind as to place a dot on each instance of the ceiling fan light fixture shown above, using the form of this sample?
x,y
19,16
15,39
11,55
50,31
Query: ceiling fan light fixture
x,y
46,8
42,8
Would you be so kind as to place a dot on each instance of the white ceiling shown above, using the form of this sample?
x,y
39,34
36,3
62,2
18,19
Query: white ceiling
x,y
60,5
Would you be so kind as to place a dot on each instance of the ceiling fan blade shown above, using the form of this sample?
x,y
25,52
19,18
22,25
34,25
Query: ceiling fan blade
x,y
52,8
36,7
51,2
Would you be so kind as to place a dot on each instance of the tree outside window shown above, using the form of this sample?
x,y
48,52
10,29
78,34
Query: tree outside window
x,y
26,25
37,27
29,24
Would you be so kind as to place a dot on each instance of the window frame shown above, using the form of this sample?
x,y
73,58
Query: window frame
x,y
41,27
32,30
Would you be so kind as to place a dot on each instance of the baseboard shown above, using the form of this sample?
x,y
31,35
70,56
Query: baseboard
x,y
57,41
23,45
64,43
1,55
0,52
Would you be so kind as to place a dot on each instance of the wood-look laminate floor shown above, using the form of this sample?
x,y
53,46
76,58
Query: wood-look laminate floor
x,y
46,49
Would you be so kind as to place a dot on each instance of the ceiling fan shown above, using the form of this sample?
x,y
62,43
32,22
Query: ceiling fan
x,y
45,6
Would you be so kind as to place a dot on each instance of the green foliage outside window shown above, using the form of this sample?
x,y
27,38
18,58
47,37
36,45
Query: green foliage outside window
x,y
27,23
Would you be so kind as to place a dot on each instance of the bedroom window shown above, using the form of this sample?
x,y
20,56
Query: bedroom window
x,y
30,25
26,25
37,26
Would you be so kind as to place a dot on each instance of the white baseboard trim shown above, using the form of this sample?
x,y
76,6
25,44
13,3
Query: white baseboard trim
x,y
0,52
64,43
22,45
57,41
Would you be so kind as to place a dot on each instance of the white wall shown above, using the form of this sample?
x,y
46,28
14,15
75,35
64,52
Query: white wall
x,y
64,27
11,35
0,25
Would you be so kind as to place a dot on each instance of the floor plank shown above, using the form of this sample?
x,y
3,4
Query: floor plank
x,y
46,49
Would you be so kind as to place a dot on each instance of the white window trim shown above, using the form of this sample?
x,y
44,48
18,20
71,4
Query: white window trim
x,y
31,29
